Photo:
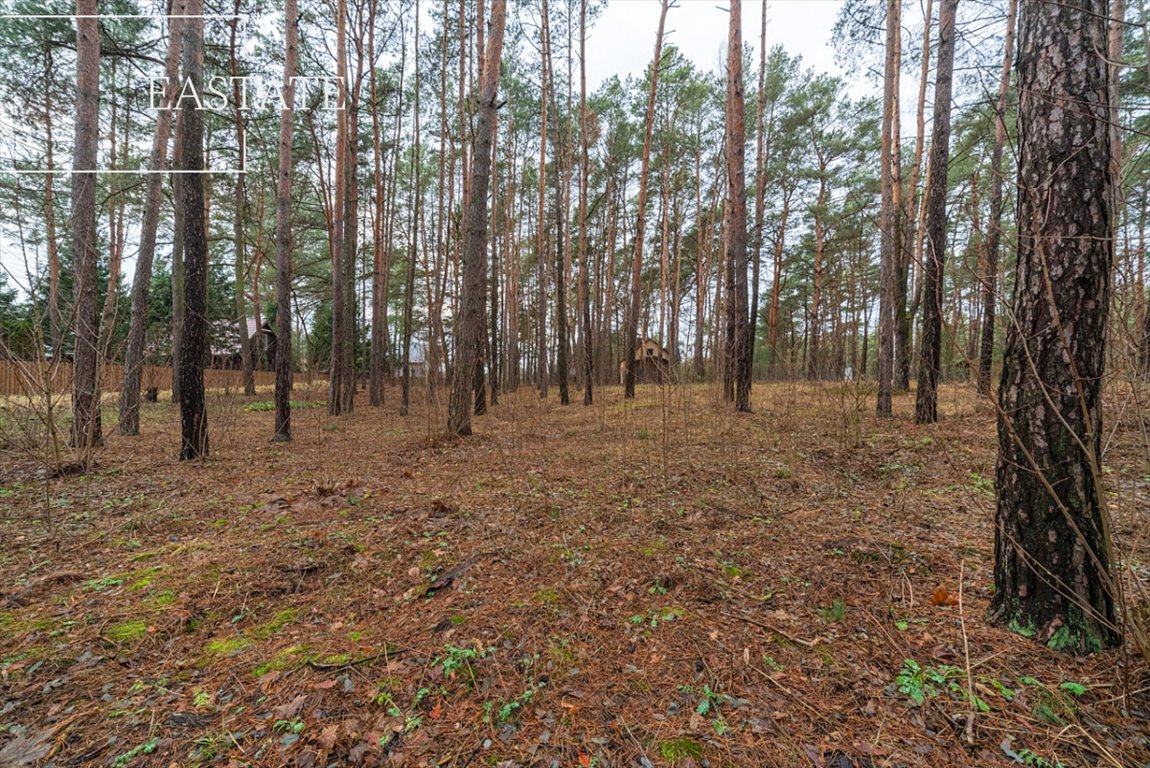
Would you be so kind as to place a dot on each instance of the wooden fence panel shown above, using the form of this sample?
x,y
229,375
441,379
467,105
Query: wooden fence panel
x,y
18,377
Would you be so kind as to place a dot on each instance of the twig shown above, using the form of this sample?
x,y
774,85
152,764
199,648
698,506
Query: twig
x,y
968,732
769,628
387,653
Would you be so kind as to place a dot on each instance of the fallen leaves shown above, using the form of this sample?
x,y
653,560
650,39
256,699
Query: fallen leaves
x,y
942,597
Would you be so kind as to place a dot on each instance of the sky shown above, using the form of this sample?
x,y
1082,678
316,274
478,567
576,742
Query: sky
x,y
623,37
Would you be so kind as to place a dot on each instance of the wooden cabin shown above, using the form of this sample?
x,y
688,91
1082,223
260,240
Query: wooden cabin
x,y
652,363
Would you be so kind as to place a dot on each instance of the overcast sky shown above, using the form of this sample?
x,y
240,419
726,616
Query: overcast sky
x,y
623,37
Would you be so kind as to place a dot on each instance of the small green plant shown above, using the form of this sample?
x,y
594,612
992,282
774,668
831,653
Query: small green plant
x,y
294,725
709,700
201,699
655,616
920,683
982,484
834,613
455,658
772,664
504,712
147,748
1055,706
1029,757
99,585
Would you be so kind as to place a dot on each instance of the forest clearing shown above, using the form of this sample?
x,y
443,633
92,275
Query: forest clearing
x,y
573,383
657,581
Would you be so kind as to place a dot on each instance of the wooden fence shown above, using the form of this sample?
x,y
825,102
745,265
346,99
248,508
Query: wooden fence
x,y
15,378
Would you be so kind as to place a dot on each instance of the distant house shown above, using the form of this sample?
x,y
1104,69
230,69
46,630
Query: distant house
x,y
225,345
417,359
652,364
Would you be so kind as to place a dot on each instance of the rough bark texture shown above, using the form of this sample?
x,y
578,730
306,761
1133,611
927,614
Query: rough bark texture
x,y
153,197
1052,542
584,257
409,278
926,398
240,215
737,202
336,372
631,338
472,325
86,432
541,235
177,252
994,236
888,241
283,360
194,337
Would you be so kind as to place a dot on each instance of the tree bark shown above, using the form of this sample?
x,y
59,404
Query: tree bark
x,y
631,341
336,372
416,202
240,216
1053,555
153,198
86,430
994,236
926,398
584,255
737,217
194,337
283,360
888,242
472,324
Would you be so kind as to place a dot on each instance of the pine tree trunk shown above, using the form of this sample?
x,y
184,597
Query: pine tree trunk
x,y
153,198
336,373
631,338
416,202
1053,556
994,237
541,246
888,240
86,431
55,321
194,337
740,361
584,255
283,360
472,323
240,216
926,398
178,281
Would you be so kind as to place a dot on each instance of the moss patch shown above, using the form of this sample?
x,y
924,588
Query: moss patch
x,y
126,632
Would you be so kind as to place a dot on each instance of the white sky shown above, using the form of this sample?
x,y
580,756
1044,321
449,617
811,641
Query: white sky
x,y
623,37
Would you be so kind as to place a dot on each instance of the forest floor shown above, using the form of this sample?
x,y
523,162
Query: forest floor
x,y
658,582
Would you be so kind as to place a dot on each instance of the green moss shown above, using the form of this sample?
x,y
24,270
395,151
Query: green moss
x,y
276,625
547,597
1025,631
143,583
163,599
126,632
229,646
678,750
284,659
1083,638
